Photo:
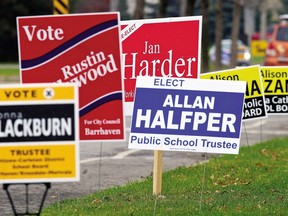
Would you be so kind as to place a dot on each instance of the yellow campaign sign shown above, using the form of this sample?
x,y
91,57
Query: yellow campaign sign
x,y
39,133
275,83
254,106
35,162
258,48
36,92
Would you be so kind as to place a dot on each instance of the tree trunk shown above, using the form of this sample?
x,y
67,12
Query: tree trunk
x,y
205,39
162,8
218,34
114,5
139,9
235,33
190,8
263,23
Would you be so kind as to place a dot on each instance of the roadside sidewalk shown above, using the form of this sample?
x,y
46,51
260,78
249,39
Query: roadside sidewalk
x,y
9,79
9,65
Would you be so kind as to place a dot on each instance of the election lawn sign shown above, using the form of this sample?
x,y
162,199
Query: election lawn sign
x,y
275,81
166,47
39,133
84,49
258,48
187,115
254,104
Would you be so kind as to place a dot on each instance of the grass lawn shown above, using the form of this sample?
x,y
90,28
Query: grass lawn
x,y
9,71
255,182
257,60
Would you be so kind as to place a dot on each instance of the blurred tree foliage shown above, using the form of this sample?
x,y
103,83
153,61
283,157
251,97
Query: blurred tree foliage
x,y
9,10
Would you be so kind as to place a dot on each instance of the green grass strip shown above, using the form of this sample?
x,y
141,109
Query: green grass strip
x,y
255,182
9,72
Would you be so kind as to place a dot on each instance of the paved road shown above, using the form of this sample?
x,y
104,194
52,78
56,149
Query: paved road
x,y
105,165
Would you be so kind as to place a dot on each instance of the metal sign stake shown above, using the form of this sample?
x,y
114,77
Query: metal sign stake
x,y
27,212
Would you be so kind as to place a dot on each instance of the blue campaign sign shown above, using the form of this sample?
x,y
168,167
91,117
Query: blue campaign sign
x,y
187,115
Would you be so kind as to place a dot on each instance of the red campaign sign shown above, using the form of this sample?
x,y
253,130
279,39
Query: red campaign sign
x,y
159,47
81,48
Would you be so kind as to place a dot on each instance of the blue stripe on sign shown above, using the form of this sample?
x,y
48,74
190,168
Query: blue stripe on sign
x,y
25,64
99,102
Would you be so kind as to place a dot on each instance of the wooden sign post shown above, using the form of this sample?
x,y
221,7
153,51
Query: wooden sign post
x,y
157,174
186,115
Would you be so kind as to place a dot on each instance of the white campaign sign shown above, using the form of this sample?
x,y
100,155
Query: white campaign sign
x,y
187,115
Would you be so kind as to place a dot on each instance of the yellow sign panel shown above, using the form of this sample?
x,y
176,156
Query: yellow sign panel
x,y
254,106
34,162
258,48
36,92
275,82
39,133
250,74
